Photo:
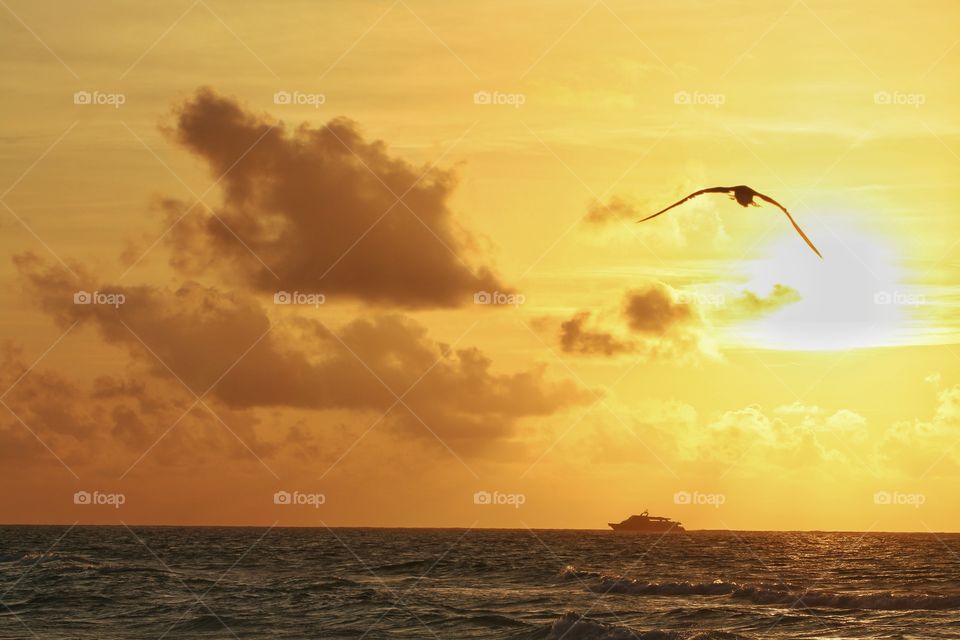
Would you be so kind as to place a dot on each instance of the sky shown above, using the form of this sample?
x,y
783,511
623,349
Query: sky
x,y
376,264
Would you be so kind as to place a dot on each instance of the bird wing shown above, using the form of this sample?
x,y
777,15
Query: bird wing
x,y
792,221
692,195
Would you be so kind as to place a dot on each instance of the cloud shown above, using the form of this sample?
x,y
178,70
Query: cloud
x,y
655,324
657,321
750,439
696,224
576,337
317,205
744,441
108,422
616,209
227,345
926,447
654,310
750,305
303,201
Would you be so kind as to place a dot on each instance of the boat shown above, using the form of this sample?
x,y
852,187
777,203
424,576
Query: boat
x,y
647,523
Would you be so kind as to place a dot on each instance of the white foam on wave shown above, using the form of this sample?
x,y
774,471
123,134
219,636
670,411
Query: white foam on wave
x,y
572,572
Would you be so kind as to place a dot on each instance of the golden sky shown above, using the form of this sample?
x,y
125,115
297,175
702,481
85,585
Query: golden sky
x,y
384,163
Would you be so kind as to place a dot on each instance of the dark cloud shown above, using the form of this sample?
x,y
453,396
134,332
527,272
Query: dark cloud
x,y
317,206
657,325
659,322
576,337
654,310
616,209
224,343
306,201
108,423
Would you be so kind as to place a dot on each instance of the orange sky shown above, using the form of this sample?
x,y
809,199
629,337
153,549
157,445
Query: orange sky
x,y
385,162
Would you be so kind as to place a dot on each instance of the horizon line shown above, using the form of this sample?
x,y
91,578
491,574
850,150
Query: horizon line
x,y
78,524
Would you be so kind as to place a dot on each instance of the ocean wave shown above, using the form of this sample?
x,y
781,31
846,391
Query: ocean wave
x,y
42,557
335,582
419,567
403,566
143,569
639,588
782,594
494,620
573,626
204,623
75,563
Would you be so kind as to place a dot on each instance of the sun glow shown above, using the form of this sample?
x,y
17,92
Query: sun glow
x,y
857,296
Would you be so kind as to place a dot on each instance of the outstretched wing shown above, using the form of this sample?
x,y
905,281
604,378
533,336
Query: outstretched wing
x,y
794,222
692,195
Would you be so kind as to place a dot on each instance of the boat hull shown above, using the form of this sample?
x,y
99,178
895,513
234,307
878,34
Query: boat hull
x,y
648,528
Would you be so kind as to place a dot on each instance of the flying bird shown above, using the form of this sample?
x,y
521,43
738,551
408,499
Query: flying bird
x,y
744,196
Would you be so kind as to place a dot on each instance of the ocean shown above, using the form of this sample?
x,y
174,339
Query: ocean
x,y
183,582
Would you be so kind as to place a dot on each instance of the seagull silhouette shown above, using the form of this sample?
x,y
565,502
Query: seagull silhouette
x,y
744,196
